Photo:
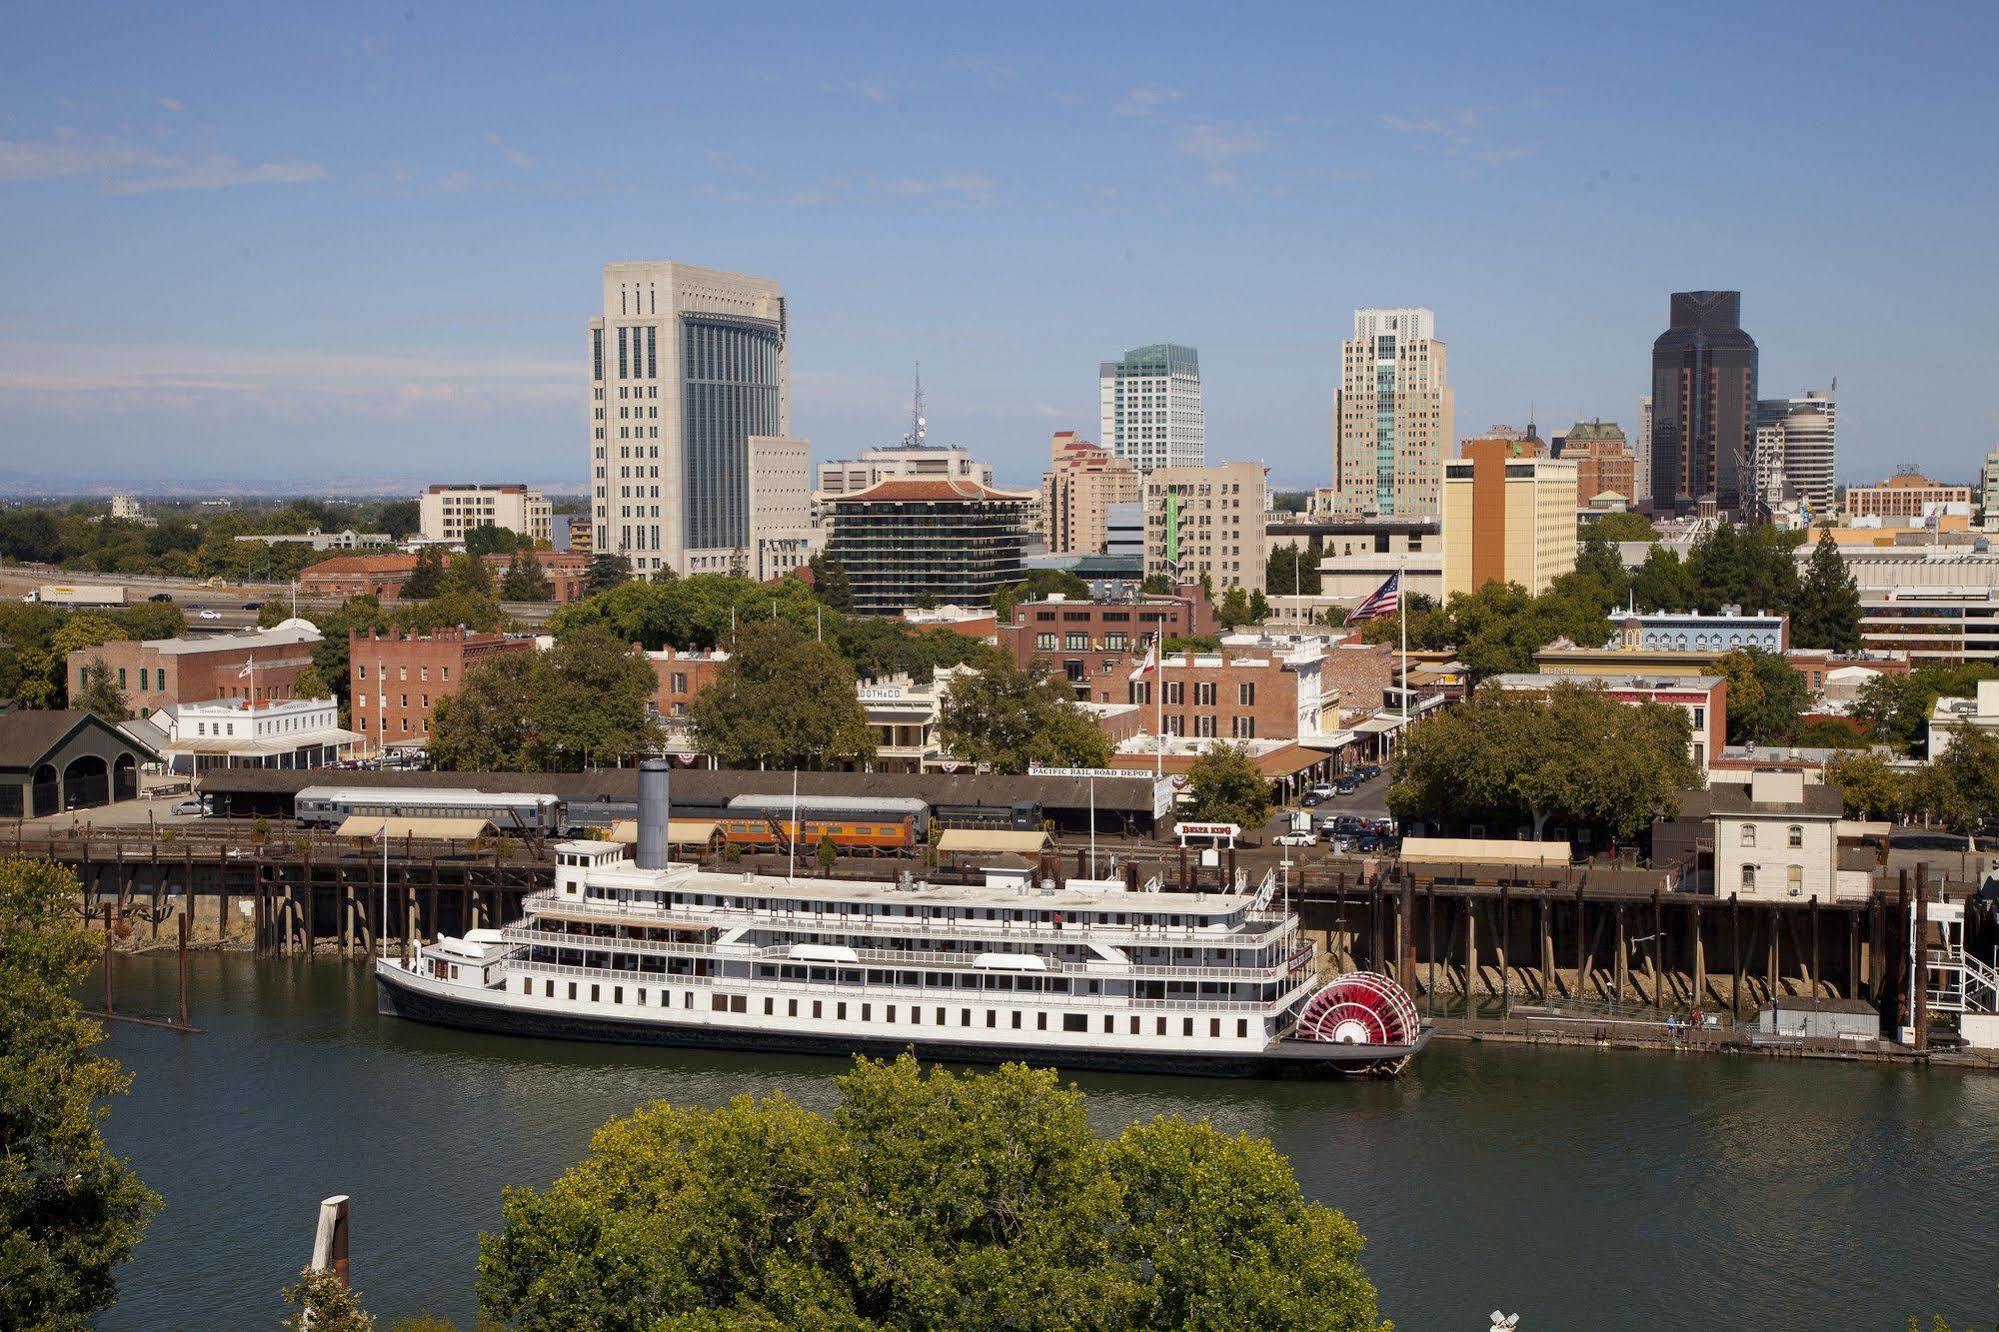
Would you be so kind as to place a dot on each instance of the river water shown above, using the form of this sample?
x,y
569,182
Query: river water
x,y
1580,1189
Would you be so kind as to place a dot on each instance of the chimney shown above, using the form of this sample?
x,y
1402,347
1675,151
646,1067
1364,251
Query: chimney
x,y
651,852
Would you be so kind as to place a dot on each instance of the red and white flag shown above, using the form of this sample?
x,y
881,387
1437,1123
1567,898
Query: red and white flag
x,y
1384,600
1147,662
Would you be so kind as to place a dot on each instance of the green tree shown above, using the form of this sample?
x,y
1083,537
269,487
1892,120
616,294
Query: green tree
x,y
492,541
1663,582
321,1302
1156,585
1009,719
1752,567
925,1200
1871,789
1292,571
830,582
101,694
1224,785
1827,612
782,700
427,579
1765,697
1960,787
1234,608
1038,586
1571,756
453,607
70,1211
1896,708
581,704
399,518
607,570
525,580
309,683
468,574
1625,527
826,854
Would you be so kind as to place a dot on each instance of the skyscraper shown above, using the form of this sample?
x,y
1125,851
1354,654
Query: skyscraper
x,y
1393,415
1798,435
1149,407
1703,405
687,366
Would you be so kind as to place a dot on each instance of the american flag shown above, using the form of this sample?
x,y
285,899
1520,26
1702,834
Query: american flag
x,y
1147,662
1384,600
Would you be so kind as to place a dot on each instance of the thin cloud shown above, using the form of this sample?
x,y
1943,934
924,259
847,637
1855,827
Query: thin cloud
x,y
453,182
871,90
1459,126
171,103
147,378
118,167
989,71
512,154
1219,147
1147,98
964,187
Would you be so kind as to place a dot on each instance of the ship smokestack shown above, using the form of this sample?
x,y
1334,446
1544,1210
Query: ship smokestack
x,y
651,852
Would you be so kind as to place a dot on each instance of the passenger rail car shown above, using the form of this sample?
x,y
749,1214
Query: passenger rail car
x,y
516,813
856,825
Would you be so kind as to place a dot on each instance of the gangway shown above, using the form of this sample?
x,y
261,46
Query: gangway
x,y
1954,979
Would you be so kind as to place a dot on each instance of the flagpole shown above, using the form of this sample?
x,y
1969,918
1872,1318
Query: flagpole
x,y
384,927
1402,613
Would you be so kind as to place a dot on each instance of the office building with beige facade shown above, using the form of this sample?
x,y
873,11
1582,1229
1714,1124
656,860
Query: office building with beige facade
x,y
1077,491
1906,495
850,476
687,365
1207,520
1507,518
1393,416
448,512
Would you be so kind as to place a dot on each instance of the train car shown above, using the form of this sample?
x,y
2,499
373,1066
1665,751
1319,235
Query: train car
x,y
1020,816
517,813
856,825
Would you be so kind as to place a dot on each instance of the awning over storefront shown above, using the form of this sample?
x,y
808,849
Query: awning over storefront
x,y
992,839
1483,851
449,829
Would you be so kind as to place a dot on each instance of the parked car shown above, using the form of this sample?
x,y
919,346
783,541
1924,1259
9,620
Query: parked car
x,y
1367,772
1348,825
1324,790
211,615
1312,800
194,806
161,596
1293,839
1346,786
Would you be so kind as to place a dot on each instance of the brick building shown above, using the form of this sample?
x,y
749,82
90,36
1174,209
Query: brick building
x,y
258,665
1704,698
1098,643
383,576
396,680
680,676
1263,692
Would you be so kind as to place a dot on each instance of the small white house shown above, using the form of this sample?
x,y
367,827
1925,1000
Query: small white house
x,y
1777,839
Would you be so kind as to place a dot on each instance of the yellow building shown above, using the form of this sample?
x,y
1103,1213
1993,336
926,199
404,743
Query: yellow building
x,y
1509,517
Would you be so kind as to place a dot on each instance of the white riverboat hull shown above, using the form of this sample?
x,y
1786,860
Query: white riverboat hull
x,y
416,997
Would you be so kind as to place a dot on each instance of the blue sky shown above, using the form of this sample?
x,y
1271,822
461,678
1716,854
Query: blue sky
x,y
352,245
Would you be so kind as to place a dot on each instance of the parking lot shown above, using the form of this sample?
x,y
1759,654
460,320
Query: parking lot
x,y
1366,803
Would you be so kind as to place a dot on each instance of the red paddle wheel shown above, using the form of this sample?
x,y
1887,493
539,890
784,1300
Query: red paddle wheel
x,y
1361,1008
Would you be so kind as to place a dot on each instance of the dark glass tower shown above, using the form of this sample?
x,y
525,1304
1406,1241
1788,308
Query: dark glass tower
x,y
1703,405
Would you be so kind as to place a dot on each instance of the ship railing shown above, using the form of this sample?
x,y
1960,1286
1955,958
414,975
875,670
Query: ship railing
x,y
925,994
905,958
1274,923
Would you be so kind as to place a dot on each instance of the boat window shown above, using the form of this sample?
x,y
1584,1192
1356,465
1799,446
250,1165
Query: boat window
x,y
891,1013
1041,1022
1187,1026
1075,1022
1242,1026
1016,1019
964,1017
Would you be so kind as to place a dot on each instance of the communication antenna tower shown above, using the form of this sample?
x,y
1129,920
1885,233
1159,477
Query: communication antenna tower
x,y
917,426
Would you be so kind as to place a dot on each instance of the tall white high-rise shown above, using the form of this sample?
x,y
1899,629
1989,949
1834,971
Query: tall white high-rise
x,y
1800,434
687,366
1393,415
1149,407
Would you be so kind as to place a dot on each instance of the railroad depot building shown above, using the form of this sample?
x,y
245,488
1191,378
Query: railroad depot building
x,y
395,680
53,762
258,665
